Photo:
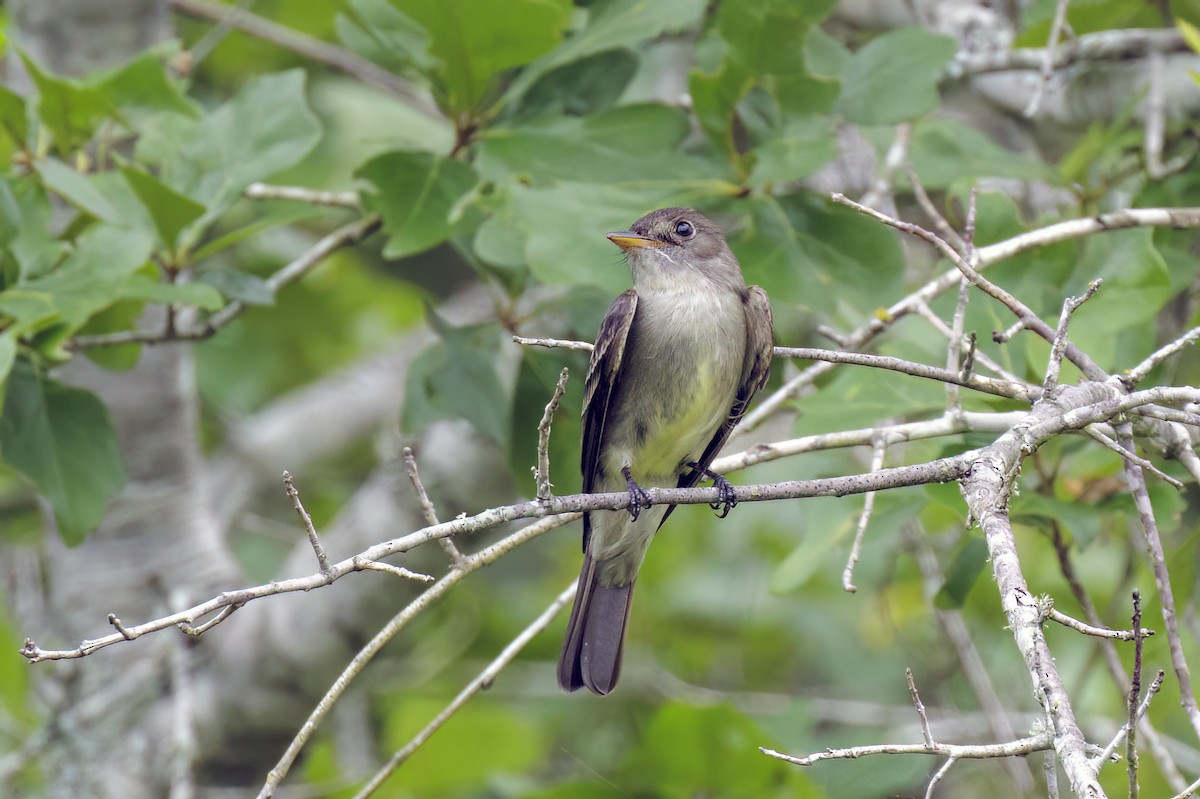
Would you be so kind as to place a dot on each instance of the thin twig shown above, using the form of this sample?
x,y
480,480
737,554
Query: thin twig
x,y
1003,337
481,682
937,776
1059,345
971,664
1056,27
306,520
542,473
1033,322
987,385
897,155
944,228
1056,615
1112,662
200,629
1138,373
1106,754
864,519
566,344
985,256
301,194
1099,437
398,622
1162,579
926,313
427,509
926,733
1110,45
1017,748
1132,700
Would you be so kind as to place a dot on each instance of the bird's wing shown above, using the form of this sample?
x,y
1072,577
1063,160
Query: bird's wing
x,y
756,366
600,387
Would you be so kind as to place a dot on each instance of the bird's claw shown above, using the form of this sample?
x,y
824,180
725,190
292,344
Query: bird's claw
x,y
639,498
726,496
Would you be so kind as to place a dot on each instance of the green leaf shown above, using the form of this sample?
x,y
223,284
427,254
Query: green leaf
x,y
265,128
611,24
419,197
803,148
238,285
75,189
871,92
14,117
29,311
456,379
590,85
197,295
170,211
61,438
8,353
1136,287
1081,521
142,87
631,143
945,150
962,574
68,109
377,30
91,277
763,34
474,40
267,215
708,751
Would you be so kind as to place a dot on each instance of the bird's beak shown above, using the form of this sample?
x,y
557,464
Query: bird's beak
x,y
628,240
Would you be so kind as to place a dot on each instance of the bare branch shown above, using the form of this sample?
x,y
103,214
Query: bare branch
x,y
1111,45
1096,435
1059,345
1056,27
926,733
1055,615
987,385
863,520
318,550
1017,748
1106,755
431,595
1018,308
897,155
1162,580
542,472
561,509
985,256
301,194
1138,373
427,509
566,344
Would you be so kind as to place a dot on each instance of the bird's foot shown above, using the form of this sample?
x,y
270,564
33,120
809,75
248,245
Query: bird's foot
x,y
726,495
639,498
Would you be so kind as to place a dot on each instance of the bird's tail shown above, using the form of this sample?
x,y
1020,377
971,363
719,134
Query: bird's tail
x,y
591,653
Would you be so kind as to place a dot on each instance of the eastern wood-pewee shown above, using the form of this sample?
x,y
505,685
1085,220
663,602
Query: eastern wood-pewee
x,y
676,362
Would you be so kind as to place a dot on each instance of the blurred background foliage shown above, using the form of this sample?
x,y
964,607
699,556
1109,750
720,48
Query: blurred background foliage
x,y
547,124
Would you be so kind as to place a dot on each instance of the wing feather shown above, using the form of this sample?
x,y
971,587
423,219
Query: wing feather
x,y
601,386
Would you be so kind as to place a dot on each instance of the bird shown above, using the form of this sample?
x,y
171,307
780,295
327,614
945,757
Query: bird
x,y
677,360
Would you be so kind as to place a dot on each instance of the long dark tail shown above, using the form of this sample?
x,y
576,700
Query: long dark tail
x,y
591,653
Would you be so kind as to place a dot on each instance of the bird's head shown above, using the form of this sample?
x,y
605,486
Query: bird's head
x,y
673,243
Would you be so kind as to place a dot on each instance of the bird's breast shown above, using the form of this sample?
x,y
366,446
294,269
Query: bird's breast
x,y
680,372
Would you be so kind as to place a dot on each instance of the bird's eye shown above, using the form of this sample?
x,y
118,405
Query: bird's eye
x,y
684,228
